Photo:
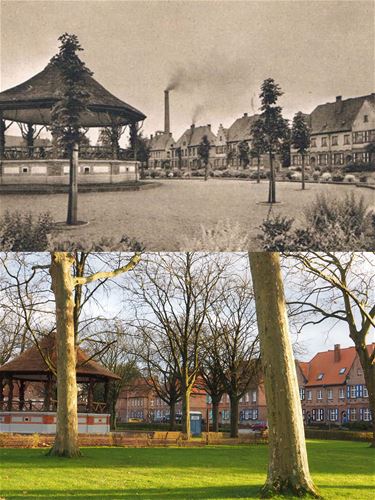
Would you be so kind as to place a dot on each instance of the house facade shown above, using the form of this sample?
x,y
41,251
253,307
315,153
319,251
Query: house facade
x,y
331,386
186,148
160,146
340,132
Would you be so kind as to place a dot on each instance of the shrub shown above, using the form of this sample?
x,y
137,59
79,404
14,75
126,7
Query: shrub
x,y
337,434
124,244
360,167
330,224
223,237
363,178
337,177
350,178
22,232
326,176
316,175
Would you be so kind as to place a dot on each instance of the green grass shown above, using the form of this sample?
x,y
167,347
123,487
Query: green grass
x,y
340,470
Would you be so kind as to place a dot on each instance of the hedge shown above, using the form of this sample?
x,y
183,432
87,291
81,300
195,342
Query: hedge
x,y
336,434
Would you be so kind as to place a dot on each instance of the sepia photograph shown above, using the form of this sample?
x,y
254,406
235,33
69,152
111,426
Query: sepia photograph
x,y
187,249
187,125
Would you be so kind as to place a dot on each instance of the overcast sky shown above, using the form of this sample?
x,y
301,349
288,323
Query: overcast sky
x,y
221,50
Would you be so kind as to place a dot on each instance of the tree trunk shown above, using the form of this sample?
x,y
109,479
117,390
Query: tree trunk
x,y
72,217
215,415
30,140
234,414
369,375
2,136
272,186
186,412
303,171
206,171
66,440
172,416
288,469
258,170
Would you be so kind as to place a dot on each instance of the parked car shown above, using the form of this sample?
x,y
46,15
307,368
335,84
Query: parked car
x,y
259,427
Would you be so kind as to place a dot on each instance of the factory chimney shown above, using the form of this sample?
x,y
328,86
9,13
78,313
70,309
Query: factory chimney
x,y
166,112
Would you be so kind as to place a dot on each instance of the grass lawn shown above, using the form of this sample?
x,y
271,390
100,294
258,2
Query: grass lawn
x,y
170,216
340,469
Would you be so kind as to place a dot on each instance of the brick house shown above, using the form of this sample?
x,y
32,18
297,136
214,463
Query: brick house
x,y
160,146
332,387
340,132
187,146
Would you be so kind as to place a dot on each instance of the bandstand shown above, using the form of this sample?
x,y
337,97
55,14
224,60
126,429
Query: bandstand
x,y
29,105
28,392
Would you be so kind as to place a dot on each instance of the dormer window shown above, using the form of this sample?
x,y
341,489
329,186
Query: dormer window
x,y
320,376
365,118
342,371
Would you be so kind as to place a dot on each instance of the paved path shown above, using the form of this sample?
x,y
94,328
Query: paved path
x,y
170,216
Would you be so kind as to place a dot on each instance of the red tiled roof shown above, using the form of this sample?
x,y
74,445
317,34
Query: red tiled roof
x,y
304,366
324,363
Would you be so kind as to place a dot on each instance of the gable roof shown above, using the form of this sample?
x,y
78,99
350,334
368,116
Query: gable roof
x,y
337,116
32,100
160,141
240,129
193,136
31,363
324,363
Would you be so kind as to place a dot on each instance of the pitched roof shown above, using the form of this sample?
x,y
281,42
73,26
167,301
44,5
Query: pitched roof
x,y
32,362
193,136
32,100
160,141
337,116
240,129
324,363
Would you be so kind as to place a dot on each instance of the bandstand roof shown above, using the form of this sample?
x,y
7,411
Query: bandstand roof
x,y
31,364
31,101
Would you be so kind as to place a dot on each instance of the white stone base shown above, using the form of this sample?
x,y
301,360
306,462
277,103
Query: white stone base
x,y
22,422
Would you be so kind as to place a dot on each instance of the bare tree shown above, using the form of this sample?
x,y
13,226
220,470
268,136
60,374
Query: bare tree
x,y
173,294
159,366
339,287
234,346
288,469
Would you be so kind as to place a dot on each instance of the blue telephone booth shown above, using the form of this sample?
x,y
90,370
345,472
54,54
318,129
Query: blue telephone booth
x,y
196,423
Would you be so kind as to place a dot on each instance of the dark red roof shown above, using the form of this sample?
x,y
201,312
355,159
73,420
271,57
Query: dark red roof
x,y
32,362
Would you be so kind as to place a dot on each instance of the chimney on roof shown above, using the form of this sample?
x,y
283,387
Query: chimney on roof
x,y
151,136
192,126
166,112
336,353
209,126
245,114
338,98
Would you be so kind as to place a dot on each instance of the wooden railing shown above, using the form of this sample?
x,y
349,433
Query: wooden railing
x,y
52,153
38,405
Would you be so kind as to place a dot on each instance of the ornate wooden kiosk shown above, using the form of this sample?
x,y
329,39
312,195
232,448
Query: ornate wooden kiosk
x,y
28,392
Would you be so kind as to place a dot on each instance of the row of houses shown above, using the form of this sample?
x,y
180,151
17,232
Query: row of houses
x,y
331,385
340,133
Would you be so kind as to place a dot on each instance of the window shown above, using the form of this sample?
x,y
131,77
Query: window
x,y
338,159
313,142
323,159
302,393
341,393
366,415
324,141
254,396
320,376
347,139
320,415
352,414
359,372
342,371
353,392
358,137
365,118
333,414
319,395
330,394
25,170
309,395
334,140
365,392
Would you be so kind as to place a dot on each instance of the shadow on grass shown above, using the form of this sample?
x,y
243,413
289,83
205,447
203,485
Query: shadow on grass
x,y
146,493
